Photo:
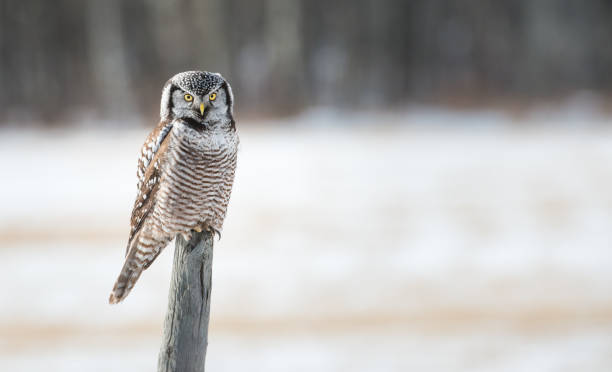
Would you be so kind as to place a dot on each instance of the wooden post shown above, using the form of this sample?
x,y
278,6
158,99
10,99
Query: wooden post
x,y
186,327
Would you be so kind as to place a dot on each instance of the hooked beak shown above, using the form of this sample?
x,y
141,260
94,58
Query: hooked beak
x,y
202,109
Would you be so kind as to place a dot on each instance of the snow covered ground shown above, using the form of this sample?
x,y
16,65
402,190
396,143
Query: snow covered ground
x,y
428,241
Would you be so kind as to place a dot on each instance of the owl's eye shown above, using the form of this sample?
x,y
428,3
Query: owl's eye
x,y
188,97
213,96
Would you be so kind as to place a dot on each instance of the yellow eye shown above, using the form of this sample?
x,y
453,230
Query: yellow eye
x,y
188,97
213,96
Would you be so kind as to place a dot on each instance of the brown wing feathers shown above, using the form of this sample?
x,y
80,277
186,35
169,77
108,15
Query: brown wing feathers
x,y
138,255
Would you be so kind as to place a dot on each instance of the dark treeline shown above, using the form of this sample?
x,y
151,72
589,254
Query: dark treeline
x,y
110,58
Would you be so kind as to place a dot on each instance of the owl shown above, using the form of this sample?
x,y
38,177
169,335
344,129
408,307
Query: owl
x,y
185,171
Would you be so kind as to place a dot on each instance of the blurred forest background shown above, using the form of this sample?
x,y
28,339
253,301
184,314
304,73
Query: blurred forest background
x,y
69,59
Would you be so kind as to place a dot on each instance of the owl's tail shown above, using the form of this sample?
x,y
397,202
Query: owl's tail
x,y
126,280
139,258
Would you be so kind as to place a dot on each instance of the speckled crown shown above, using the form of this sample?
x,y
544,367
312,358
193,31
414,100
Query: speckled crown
x,y
198,82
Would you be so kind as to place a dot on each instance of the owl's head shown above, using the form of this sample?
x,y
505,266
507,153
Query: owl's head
x,y
198,97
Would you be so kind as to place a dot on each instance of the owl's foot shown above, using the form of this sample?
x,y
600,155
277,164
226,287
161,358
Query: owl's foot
x,y
213,231
207,228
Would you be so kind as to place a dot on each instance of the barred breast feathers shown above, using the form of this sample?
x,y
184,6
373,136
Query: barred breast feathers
x,y
198,166
203,165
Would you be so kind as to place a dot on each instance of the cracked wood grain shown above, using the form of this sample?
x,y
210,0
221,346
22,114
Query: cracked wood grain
x,y
185,335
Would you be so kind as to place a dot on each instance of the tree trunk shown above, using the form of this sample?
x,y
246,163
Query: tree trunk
x,y
186,327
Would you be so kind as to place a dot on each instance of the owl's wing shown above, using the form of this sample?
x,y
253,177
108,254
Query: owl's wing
x,y
148,177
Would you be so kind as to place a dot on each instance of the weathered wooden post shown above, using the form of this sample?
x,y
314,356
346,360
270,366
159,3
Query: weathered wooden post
x,y
185,336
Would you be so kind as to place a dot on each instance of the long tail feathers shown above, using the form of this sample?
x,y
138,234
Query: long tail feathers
x,y
125,282
138,259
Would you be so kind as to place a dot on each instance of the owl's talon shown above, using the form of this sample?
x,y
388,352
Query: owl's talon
x,y
214,231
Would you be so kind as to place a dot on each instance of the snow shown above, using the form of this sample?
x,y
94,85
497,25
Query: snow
x,y
427,240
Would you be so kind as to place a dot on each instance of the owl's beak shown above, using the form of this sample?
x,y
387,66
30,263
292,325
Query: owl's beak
x,y
202,108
